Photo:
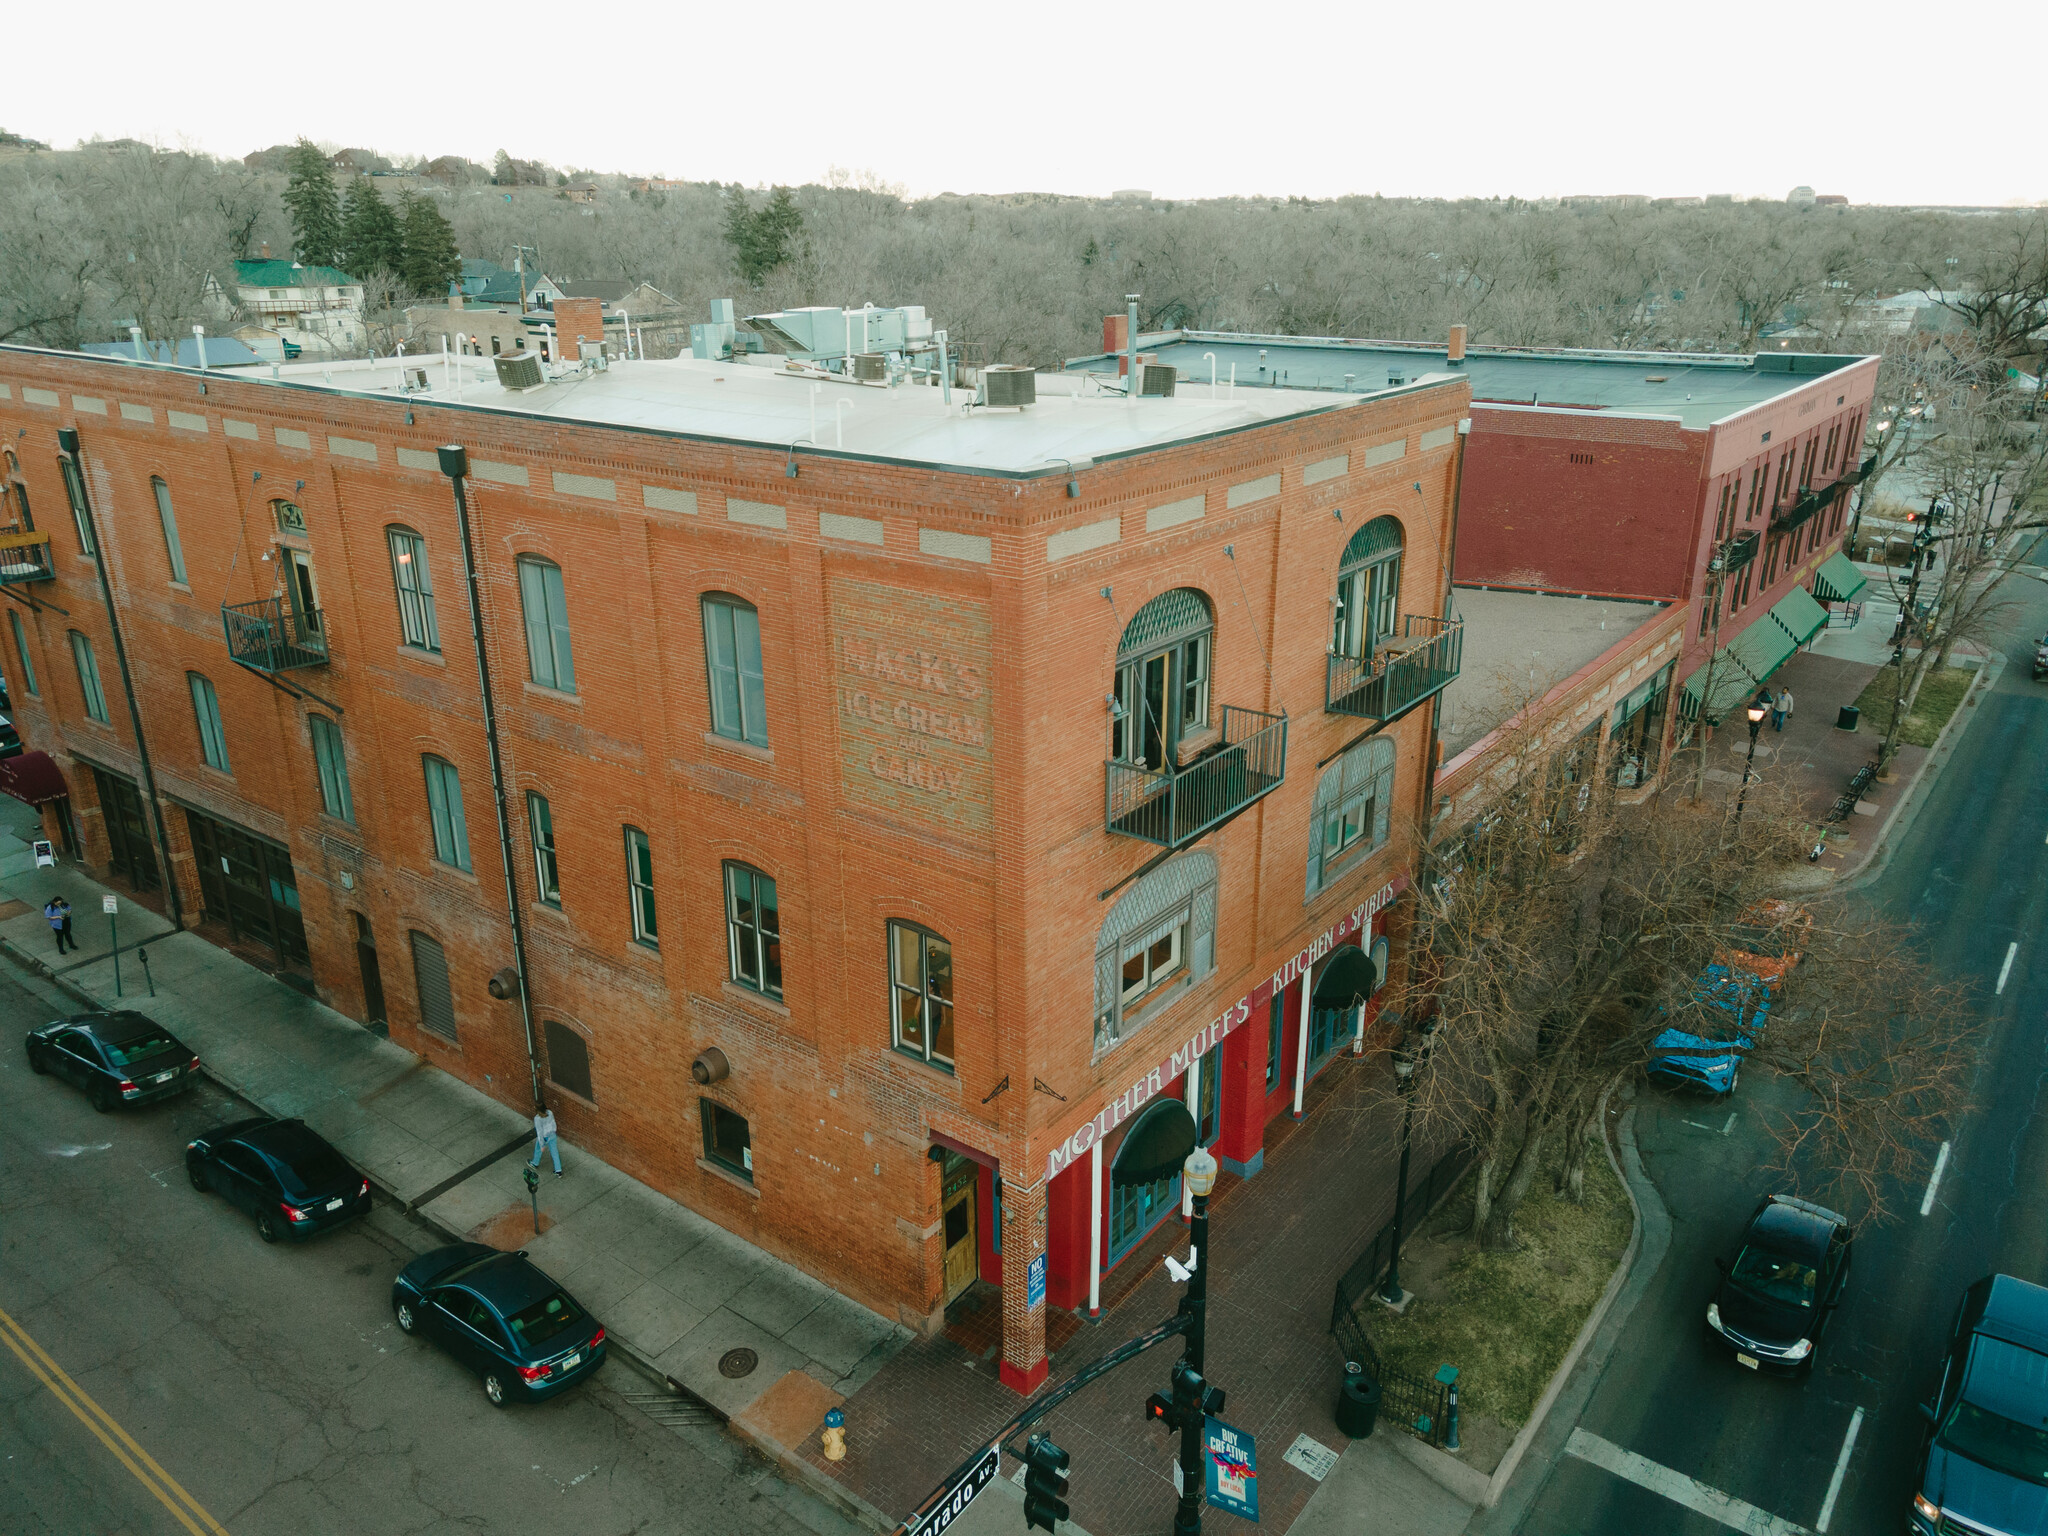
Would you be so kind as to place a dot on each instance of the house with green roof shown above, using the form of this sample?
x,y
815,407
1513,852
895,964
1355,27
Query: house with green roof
x,y
318,309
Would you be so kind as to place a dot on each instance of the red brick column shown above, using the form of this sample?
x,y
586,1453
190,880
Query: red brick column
x,y
1024,1221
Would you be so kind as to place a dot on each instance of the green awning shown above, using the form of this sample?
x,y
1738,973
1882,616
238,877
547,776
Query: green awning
x,y
1800,615
1838,580
1740,668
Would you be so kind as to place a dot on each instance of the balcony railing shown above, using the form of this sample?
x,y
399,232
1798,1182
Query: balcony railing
x,y
25,557
1399,674
1174,807
271,636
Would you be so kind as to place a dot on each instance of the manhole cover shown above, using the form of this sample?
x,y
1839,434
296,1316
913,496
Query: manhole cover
x,y
735,1363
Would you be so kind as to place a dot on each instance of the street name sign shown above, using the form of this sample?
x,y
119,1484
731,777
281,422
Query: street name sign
x,y
961,1494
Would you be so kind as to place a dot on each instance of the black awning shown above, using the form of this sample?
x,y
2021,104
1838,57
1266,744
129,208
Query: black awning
x,y
1155,1146
1347,980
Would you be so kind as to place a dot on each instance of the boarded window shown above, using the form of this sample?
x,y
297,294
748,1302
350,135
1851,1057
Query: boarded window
x,y
568,1059
430,969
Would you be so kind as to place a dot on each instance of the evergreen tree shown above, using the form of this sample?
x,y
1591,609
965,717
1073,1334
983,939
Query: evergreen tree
x,y
315,210
761,241
370,237
432,259
503,173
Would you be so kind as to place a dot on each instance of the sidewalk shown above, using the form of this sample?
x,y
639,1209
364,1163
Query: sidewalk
x,y
676,1290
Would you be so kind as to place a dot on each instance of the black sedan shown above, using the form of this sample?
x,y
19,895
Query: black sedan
x,y
499,1315
1785,1281
282,1172
117,1058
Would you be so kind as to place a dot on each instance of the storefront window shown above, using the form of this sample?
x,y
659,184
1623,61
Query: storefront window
x,y
1638,734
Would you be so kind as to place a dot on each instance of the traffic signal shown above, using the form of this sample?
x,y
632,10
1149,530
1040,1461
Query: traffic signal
x,y
1191,1395
1161,1409
1045,1483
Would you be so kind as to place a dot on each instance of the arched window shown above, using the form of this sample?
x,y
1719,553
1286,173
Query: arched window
x,y
1353,810
1162,678
290,518
548,658
1368,589
1159,938
415,588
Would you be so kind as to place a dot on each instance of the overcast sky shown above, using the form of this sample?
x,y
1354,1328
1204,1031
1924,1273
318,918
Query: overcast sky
x,y
1880,102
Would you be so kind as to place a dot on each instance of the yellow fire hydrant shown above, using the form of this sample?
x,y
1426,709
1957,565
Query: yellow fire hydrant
x,y
835,1435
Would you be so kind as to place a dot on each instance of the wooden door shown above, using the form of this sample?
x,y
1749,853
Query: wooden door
x,y
963,1251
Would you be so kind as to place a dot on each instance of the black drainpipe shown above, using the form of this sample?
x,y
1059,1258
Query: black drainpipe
x,y
67,439
455,465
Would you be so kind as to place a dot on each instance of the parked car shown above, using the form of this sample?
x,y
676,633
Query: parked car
x,y
282,1172
1784,1283
1770,938
10,738
1985,1462
116,1058
1723,1020
498,1314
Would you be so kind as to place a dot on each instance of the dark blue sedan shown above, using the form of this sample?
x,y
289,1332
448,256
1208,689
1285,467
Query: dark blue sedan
x,y
118,1058
523,1335
282,1172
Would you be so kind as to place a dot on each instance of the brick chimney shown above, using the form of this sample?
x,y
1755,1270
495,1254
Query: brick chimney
x,y
266,250
1457,347
576,320
1113,332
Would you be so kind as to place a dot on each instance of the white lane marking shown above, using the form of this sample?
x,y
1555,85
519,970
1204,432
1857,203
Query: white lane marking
x,y
1730,1125
2005,970
1934,1180
1678,1488
1827,1509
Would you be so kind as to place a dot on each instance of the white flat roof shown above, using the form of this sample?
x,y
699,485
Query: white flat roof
x,y
761,401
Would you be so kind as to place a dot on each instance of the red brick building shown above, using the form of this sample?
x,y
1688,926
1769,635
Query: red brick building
x,y
889,822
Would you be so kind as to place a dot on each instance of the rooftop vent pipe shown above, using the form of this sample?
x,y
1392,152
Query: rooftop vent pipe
x,y
1131,347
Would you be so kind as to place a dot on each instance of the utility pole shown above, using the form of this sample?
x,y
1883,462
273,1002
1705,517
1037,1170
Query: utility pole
x,y
1909,619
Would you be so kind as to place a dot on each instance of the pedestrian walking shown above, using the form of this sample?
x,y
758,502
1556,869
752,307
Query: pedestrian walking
x,y
58,911
1781,706
544,1139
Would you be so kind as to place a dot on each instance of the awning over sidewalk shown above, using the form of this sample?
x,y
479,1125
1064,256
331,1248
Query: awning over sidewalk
x,y
1838,580
1739,668
33,778
1801,617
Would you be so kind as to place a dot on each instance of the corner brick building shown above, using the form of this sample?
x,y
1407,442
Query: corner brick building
x,y
943,796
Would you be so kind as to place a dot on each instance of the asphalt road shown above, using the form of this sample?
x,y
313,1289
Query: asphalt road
x,y
1971,873
259,1390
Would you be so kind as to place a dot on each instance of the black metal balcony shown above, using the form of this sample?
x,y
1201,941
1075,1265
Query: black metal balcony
x,y
270,636
1173,807
1400,673
25,557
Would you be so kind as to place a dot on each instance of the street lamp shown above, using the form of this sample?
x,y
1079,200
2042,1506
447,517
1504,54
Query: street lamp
x,y
1408,1056
1758,707
1200,1172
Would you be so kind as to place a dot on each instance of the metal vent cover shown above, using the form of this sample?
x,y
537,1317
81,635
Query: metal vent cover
x,y
1157,379
1010,385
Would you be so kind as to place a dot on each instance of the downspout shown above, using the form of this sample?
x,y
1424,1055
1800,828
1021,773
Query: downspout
x,y
1436,707
67,439
455,465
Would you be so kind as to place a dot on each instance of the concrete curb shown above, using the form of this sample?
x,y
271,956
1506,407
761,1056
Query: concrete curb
x,y
1569,1403
1907,810
793,1465
1485,1492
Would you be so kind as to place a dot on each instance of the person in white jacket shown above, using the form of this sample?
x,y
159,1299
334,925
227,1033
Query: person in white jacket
x,y
544,1139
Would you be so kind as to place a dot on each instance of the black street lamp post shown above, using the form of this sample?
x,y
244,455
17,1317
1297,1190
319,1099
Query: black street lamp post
x,y
1757,708
1408,1059
1189,1384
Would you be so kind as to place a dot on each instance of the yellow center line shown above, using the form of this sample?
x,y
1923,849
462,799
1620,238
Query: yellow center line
x,y
192,1515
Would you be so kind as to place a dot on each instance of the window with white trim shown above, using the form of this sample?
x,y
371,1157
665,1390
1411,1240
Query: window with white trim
x,y
1159,937
1353,810
921,994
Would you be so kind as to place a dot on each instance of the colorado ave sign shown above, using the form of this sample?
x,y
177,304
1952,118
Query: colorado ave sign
x,y
960,1495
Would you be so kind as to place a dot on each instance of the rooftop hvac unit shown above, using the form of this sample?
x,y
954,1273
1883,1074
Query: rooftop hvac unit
x,y
870,368
592,352
1008,385
519,371
1157,378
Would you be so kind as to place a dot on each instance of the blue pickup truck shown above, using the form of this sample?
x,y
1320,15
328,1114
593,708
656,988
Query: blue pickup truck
x,y
1723,1019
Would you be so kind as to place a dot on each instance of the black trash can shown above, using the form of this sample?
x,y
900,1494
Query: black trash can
x,y
1846,720
1358,1403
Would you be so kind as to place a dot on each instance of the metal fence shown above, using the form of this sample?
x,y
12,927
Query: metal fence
x,y
1174,807
1417,1403
1398,675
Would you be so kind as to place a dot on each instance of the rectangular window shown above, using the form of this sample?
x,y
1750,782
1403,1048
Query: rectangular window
x,y
739,692
640,886
444,803
540,823
74,488
1756,494
89,677
172,549
548,658
1194,684
568,1059
754,928
726,1140
415,590
1806,461
213,741
333,764
921,993
437,1000
1772,546
1152,958
28,668
1827,459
